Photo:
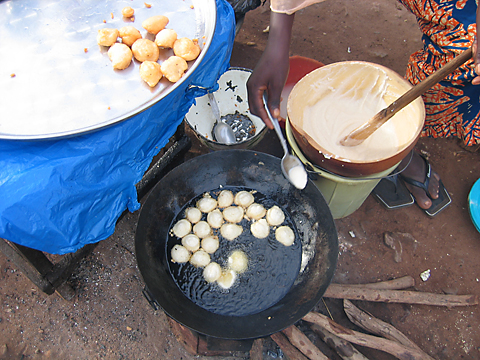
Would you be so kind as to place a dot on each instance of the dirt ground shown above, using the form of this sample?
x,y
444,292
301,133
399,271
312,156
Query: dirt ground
x,y
109,317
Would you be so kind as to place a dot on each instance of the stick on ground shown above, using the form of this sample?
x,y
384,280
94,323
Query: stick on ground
x,y
392,347
398,296
303,343
376,326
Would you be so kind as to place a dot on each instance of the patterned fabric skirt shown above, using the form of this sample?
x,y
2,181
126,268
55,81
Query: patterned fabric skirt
x,y
453,105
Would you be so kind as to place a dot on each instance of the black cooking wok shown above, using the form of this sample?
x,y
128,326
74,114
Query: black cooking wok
x,y
249,169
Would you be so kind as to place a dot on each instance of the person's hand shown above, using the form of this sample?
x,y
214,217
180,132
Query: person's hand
x,y
476,52
271,71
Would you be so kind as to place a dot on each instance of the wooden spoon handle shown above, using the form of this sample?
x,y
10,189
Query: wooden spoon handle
x,y
420,88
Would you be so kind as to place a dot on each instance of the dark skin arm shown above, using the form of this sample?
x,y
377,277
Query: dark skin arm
x,y
271,71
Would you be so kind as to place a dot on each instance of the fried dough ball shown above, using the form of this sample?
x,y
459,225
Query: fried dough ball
x,y
215,218
166,38
180,254
225,198
202,229
191,242
244,198
173,68
120,55
206,204
193,215
227,279
231,231
128,12
181,228
187,49
212,272
145,50
151,73
285,235
260,229
256,211
107,37
210,244
129,34
200,258
155,23
238,261
233,214
275,216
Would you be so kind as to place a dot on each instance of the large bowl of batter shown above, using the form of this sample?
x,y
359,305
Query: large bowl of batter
x,y
330,102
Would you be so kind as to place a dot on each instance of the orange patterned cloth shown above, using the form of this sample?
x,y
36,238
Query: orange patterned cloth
x,y
453,105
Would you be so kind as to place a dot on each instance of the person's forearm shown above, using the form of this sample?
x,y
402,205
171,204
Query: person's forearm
x,y
280,31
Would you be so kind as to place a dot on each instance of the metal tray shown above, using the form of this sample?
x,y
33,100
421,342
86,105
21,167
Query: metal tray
x,y
57,82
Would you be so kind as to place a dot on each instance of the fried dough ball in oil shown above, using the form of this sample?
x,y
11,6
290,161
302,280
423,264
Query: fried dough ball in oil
x,y
212,272
191,242
200,258
275,216
120,55
129,34
145,50
155,24
227,279
225,198
231,231
233,214
215,218
173,68
210,244
256,211
186,48
285,235
181,228
166,38
128,12
238,261
180,254
151,72
260,229
202,229
206,204
193,215
244,198
107,37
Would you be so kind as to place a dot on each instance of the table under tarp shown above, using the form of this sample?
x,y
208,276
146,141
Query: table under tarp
x,y
58,195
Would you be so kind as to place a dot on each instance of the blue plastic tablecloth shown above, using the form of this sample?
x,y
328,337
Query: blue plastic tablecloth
x,y
59,195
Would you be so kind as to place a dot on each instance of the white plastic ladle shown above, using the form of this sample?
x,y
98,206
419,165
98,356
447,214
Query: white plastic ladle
x,y
292,167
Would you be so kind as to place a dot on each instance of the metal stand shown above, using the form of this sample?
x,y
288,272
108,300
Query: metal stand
x,y
50,277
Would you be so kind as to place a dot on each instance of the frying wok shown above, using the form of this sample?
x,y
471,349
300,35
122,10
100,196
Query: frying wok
x,y
248,169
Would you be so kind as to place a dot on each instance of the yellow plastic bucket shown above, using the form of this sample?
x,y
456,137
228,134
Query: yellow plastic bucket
x,y
344,195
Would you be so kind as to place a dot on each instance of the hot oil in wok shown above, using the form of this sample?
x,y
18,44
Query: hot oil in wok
x,y
272,268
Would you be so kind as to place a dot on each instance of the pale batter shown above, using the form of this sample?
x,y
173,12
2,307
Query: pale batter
x,y
340,98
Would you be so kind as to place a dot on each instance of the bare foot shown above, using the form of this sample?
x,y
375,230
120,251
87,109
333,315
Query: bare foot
x,y
417,170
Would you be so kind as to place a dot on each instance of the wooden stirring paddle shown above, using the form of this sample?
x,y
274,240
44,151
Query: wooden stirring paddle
x,y
360,134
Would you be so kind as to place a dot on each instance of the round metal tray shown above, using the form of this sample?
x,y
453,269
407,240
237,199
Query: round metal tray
x,y
57,82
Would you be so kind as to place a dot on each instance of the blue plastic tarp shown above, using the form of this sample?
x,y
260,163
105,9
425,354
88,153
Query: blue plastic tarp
x,y
59,195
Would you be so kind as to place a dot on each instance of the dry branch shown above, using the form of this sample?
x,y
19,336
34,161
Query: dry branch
x,y
343,348
303,343
395,284
398,296
376,326
288,349
392,347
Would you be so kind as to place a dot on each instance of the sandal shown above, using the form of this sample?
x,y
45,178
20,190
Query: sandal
x,y
392,193
443,199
